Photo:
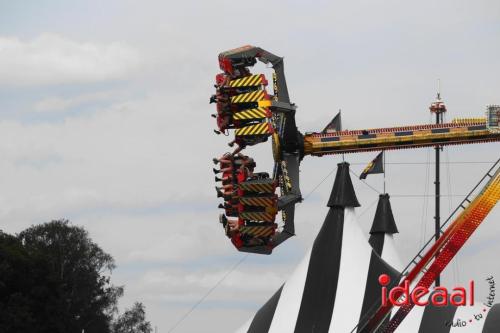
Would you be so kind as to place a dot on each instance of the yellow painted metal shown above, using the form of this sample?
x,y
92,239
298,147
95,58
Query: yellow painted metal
x,y
258,231
266,186
313,144
466,121
264,103
259,201
256,129
258,216
253,96
257,113
276,146
248,81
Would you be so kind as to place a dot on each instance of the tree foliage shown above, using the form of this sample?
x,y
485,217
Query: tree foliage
x,y
132,321
53,278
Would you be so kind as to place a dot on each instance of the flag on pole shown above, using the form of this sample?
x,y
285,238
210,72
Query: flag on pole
x,y
335,125
375,166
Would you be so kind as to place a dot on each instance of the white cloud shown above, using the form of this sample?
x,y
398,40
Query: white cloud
x,y
54,59
58,104
168,285
122,168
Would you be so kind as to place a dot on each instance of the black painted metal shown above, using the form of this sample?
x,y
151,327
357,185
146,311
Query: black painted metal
x,y
437,216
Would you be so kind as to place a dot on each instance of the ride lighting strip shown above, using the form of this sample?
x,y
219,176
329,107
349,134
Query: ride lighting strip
x,y
457,122
397,138
443,251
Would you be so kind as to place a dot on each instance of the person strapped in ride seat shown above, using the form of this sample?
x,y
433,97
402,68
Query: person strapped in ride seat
x,y
231,162
243,141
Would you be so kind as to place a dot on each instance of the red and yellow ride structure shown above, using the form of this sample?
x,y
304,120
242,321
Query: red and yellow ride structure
x,y
256,113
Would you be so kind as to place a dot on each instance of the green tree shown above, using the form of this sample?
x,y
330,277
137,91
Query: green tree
x,y
57,279
133,320
16,299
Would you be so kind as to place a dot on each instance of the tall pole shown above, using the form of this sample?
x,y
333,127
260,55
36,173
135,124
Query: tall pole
x,y
437,216
383,158
438,108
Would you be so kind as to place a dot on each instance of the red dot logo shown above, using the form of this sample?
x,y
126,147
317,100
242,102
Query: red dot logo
x,y
384,279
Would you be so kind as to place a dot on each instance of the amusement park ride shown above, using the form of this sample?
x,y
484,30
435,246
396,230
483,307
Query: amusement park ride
x,y
251,201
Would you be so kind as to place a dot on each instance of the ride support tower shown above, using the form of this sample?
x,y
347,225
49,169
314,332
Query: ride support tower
x,y
438,108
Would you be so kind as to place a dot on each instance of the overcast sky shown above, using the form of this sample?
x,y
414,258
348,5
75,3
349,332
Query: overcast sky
x,y
104,120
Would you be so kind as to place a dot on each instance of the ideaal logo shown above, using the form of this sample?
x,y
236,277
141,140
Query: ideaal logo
x,y
400,296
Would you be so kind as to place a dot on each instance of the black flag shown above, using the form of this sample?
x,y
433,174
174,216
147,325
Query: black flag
x,y
375,166
335,125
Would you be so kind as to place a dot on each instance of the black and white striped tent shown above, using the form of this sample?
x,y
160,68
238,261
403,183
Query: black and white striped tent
x,y
337,281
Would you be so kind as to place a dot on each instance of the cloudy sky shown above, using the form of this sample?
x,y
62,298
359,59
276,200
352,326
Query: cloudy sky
x,y
104,120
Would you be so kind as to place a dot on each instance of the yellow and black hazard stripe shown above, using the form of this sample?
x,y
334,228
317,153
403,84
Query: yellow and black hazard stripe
x,y
257,113
256,129
253,96
258,216
273,209
258,231
248,81
267,186
259,201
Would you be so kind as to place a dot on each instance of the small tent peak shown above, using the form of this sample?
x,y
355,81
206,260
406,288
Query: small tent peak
x,y
383,221
343,194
